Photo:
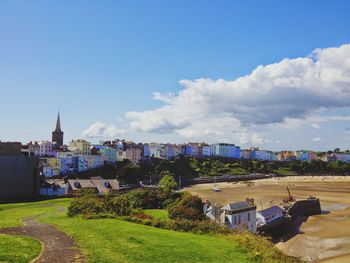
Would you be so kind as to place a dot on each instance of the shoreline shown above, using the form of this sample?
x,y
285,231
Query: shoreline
x,y
319,240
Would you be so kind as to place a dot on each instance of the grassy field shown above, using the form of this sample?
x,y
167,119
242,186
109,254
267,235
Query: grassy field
x,y
160,214
16,249
113,240
23,249
11,214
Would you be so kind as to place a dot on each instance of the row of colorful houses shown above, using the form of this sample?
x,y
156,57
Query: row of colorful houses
x,y
169,151
69,164
81,155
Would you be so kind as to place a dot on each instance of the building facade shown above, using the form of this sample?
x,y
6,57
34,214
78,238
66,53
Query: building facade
x,y
79,147
227,150
240,216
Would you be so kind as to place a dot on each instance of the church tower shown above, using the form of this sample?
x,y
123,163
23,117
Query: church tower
x,y
57,134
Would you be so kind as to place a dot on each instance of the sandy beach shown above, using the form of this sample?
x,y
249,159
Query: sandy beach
x,y
324,238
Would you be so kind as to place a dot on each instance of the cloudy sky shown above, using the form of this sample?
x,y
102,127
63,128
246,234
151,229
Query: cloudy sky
x,y
270,74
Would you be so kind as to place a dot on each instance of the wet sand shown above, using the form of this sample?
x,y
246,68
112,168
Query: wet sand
x,y
324,238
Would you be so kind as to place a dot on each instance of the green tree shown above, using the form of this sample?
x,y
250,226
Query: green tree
x,y
167,182
129,173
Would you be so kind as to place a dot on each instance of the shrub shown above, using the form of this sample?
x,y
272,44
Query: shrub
x,y
189,207
146,198
142,216
99,216
260,249
85,205
120,205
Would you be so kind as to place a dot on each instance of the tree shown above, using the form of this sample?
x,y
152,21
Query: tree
x,y
167,182
129,173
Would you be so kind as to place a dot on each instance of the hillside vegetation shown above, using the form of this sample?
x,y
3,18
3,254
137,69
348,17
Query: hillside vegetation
x,y
191,167
114,240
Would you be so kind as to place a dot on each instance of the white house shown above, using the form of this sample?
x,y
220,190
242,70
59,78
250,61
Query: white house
x,y
41,148
240,216
269,215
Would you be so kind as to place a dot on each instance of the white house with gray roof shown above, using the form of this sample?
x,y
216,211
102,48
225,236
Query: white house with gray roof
x,y
239,216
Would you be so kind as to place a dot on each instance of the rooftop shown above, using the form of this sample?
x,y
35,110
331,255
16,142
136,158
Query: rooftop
x,y
238,206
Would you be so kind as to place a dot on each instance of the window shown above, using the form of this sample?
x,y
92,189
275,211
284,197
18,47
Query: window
x,y
248,216
234,220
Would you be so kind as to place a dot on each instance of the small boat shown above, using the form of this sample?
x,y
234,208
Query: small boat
x,y
216,187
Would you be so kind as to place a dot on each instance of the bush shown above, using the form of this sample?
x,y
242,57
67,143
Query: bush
x,y
146,198
189,207
260,249
120,205
85,205
142,216
183,225
99,216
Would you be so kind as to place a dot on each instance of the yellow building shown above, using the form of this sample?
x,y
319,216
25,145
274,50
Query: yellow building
x,y
55,164
79,147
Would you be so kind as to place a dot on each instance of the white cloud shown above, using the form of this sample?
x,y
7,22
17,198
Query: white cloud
x,y
289,93
256,139
246,137
102,130
316,139
315,125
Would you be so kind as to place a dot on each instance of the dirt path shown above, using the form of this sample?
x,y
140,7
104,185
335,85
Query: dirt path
x,y
57,246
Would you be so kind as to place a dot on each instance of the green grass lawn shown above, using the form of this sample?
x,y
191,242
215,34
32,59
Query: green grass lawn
x,y
11,214
17,249
111,240
160,214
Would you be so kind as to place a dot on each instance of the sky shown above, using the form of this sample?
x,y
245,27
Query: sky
x,y
272,74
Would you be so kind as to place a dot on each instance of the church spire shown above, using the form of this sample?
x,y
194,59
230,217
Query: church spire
x,y
57,134
58,123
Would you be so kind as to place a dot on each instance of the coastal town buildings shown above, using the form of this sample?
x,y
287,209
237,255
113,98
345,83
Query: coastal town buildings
x,y
133,153
286,156
263,155
246,154
109,152
302,155
79,147
208,150
80,156
227,150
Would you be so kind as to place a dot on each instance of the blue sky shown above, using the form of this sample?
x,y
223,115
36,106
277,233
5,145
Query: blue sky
x,y
97,61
